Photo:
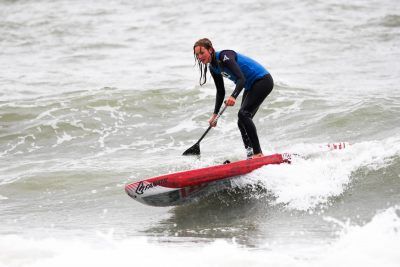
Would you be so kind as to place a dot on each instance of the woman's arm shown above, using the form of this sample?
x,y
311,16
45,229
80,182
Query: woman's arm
x,y
219,84
228,59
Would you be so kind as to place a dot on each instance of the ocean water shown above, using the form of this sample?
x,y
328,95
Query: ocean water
x,y
98,94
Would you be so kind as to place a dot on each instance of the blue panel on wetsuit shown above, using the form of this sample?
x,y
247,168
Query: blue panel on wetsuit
x,y
251,69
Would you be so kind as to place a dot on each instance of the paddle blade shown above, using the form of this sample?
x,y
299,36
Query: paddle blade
x,y
194,150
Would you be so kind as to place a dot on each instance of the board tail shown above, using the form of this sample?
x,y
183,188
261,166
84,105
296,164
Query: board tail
x,y
341,145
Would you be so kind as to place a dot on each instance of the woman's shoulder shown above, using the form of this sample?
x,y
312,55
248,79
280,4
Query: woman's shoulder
x,y
226,54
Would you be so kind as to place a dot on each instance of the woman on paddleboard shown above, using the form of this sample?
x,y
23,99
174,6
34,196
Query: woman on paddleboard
x,y
245,73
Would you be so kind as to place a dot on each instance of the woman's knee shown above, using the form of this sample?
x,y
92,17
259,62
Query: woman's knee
x,y
244,115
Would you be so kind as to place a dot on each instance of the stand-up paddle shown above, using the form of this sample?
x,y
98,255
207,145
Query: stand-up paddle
x,y
195,149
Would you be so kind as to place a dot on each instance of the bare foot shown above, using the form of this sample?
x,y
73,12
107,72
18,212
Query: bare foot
x,y
259,155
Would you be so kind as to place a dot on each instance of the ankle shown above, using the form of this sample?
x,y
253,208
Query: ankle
x,y
249,152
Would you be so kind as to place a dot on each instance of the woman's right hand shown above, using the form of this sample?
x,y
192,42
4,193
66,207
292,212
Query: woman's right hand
x,y
212,120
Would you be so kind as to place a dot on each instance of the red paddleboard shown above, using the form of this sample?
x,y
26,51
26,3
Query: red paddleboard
x,y
181,187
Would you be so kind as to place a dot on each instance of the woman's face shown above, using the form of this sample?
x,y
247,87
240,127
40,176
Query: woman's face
x,y
202,54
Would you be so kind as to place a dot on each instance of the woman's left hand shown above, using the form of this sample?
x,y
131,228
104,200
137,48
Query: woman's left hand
x,y
230,101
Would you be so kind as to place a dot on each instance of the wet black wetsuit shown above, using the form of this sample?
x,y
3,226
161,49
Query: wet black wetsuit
x,y
230,64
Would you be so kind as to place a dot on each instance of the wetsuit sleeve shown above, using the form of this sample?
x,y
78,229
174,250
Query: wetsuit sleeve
x,y
229,61
219,84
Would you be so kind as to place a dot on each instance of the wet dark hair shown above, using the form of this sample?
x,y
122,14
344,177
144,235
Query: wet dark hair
x,y
206,43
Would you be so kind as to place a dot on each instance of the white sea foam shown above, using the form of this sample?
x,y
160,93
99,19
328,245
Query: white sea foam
x,y
309,182
374,244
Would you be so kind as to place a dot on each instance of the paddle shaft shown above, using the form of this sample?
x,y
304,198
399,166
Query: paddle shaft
x,y
209,127
195,149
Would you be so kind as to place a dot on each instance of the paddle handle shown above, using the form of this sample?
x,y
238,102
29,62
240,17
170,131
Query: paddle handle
x,y
209,127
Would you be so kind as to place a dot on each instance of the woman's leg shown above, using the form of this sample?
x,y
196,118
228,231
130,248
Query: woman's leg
x,y
252,100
